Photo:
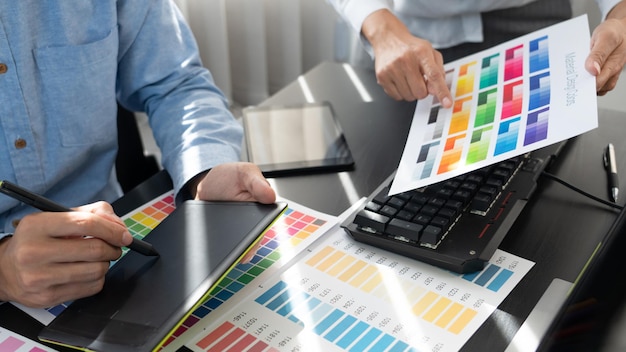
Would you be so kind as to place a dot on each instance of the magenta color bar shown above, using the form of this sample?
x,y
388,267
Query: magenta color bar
x,y
11,344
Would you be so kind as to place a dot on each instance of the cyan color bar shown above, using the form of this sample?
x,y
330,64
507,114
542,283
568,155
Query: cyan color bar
x,y
279,300
366,340
326,323
352,335
383,343
399,347
318,314
273,291
296,299
471,276
487,274
497,283
340,328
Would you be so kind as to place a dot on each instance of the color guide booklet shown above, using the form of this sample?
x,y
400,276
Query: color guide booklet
x,y
507,101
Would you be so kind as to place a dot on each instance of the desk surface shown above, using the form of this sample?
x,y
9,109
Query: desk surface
x,y
558,230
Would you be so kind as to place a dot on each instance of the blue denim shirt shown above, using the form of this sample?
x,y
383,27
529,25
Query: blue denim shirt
x,y
63,66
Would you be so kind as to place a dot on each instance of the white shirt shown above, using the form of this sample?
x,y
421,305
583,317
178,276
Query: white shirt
x,y
444,23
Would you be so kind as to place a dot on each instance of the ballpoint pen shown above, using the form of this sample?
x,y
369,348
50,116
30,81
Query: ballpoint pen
x,y
611,169
44,204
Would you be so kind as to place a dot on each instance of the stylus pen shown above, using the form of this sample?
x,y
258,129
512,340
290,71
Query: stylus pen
x,y
611,169
44,204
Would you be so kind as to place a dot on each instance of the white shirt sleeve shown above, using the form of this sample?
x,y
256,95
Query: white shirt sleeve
x,y
606,6
354,12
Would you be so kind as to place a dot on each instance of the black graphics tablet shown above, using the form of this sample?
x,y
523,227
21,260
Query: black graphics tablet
x,y
145,299
295,139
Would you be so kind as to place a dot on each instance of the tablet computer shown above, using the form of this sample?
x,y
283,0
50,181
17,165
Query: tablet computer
x,y
295,139
145,299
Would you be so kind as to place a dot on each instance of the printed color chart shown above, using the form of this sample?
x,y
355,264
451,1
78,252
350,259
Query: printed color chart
x,y
509,100
291,233
345,296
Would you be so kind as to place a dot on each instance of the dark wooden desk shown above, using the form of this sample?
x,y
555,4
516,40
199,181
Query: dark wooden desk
x,y
558,230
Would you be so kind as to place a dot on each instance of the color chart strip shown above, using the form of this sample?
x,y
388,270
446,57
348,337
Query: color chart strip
x,y
295,229
333,324
368,278
341,295
12,342
426,160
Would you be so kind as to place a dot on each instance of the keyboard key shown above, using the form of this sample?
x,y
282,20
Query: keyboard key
x,y
382,197
408,230
368,219
481,202
447,213
388,210
429,210
373,206
405,215
431,235
422,219
396,202
440,221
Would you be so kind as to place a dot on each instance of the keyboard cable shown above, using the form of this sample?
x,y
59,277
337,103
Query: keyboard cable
x,y
570,186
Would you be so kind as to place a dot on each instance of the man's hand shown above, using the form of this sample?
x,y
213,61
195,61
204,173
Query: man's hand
x,y
608,50
239,181
407,67
57,257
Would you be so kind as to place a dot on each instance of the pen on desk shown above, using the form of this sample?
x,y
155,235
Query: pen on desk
x,y
611,169
44,204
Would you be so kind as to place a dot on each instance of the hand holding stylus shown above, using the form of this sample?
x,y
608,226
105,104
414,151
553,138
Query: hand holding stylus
x,y
48,260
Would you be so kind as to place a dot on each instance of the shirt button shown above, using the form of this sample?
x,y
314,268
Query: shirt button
x,y
15,222
3,68
20,143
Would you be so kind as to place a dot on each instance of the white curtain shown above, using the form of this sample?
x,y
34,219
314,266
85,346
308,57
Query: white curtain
x,y
255,47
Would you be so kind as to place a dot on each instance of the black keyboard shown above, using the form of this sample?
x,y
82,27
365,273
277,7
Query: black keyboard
x,y
455,224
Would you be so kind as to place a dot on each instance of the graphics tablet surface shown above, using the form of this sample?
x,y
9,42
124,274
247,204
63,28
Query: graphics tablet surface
x,y
145,299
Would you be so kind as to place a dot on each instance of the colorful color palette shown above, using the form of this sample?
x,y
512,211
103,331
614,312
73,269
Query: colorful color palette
x,y
294,229
508,100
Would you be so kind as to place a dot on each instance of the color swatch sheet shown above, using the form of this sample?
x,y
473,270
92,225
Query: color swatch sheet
x,y
508,100
12,342
296,229
341,295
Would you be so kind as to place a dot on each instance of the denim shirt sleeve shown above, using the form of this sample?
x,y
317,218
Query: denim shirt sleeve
x,y
160,72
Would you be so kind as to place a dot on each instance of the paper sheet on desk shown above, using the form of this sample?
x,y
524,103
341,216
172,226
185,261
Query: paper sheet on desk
x,y
342,295
508,100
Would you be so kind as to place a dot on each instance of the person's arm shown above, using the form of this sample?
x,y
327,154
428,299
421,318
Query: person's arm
x,y
160,72
407,67
608,49
58,257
